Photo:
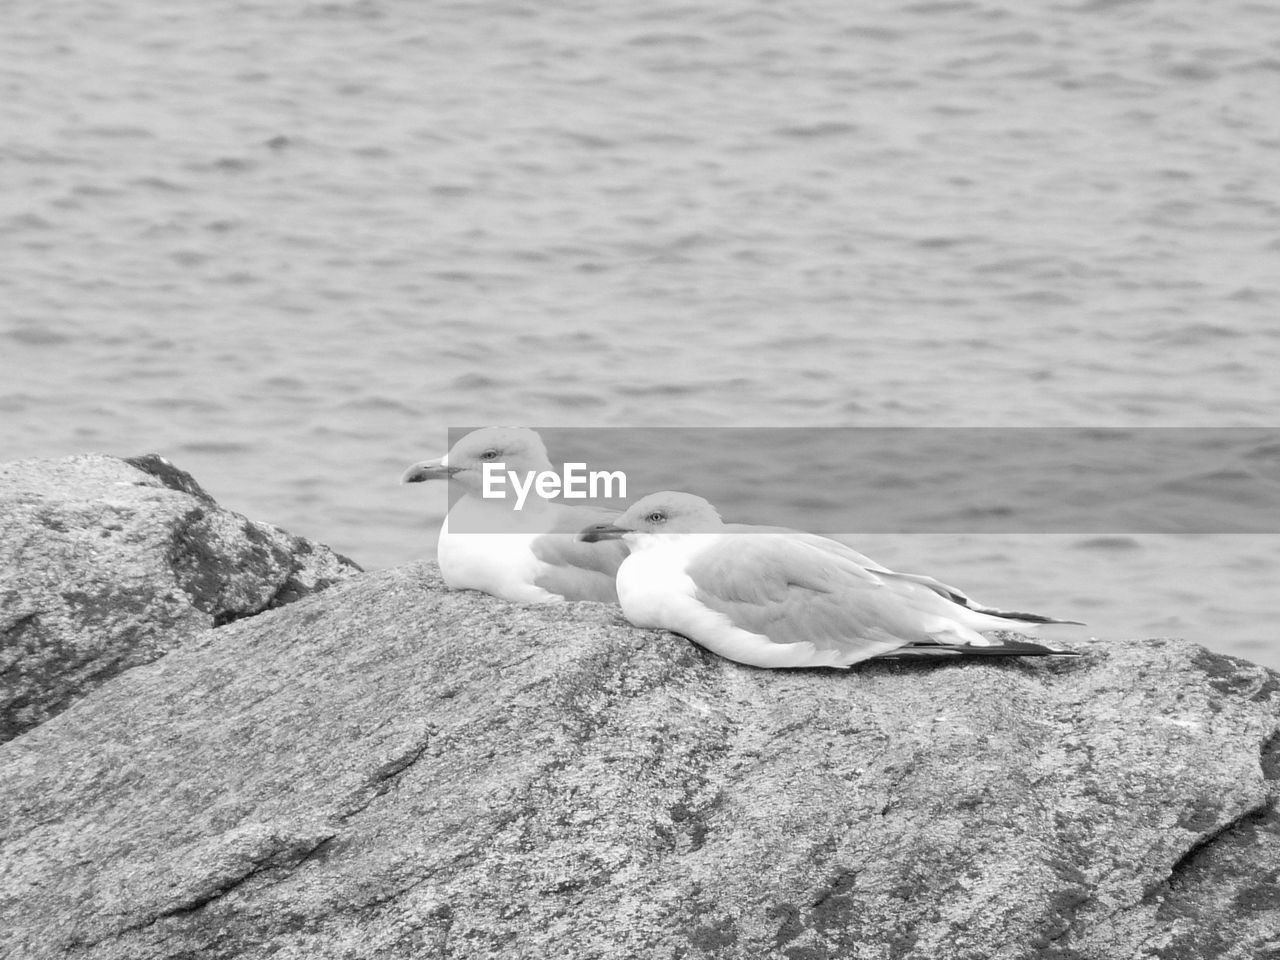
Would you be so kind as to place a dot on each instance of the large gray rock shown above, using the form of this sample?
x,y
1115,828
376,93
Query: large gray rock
x,y
108,563
387,769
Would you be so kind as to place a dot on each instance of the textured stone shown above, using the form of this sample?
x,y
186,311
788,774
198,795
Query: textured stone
x,y
387,769
108,563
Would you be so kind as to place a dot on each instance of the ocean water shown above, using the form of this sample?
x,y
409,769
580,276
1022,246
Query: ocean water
x,y
289,245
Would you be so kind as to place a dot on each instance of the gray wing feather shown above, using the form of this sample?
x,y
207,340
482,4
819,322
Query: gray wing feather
x,y
948,592
793,591
577,570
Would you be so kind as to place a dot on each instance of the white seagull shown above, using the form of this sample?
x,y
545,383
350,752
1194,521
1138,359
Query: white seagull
x,y
529,555
772,597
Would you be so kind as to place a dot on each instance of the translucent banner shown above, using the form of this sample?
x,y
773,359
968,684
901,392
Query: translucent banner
x,y
840,481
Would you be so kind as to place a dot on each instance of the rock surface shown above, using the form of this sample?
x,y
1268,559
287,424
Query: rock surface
x,y
390,770
108,563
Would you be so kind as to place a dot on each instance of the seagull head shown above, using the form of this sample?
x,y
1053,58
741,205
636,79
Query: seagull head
x,y
658,514
517,448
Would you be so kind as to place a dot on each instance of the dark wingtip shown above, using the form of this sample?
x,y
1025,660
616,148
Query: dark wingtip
x,y
1009,648
1024,617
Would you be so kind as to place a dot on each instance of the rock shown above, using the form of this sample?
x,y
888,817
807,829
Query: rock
x,y
108,563
388,769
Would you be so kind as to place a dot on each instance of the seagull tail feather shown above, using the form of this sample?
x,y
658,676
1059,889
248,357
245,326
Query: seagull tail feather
x,y
1010,648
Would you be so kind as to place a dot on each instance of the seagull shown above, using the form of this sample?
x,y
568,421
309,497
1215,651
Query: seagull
x,y
772,597
531,554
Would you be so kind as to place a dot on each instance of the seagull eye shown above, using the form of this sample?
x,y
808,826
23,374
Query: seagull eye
x,y
656,517
489,455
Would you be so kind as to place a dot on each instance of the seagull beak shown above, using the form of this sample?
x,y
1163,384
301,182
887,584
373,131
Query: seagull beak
x,y
602,531
435,469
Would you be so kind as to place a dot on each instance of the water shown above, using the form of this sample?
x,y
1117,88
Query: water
x,y
287,245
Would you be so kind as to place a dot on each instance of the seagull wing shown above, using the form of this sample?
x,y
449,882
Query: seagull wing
x,y
832,609
573,569
954,594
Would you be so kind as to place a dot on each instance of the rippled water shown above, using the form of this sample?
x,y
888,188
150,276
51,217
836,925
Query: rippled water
x,y
287,245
